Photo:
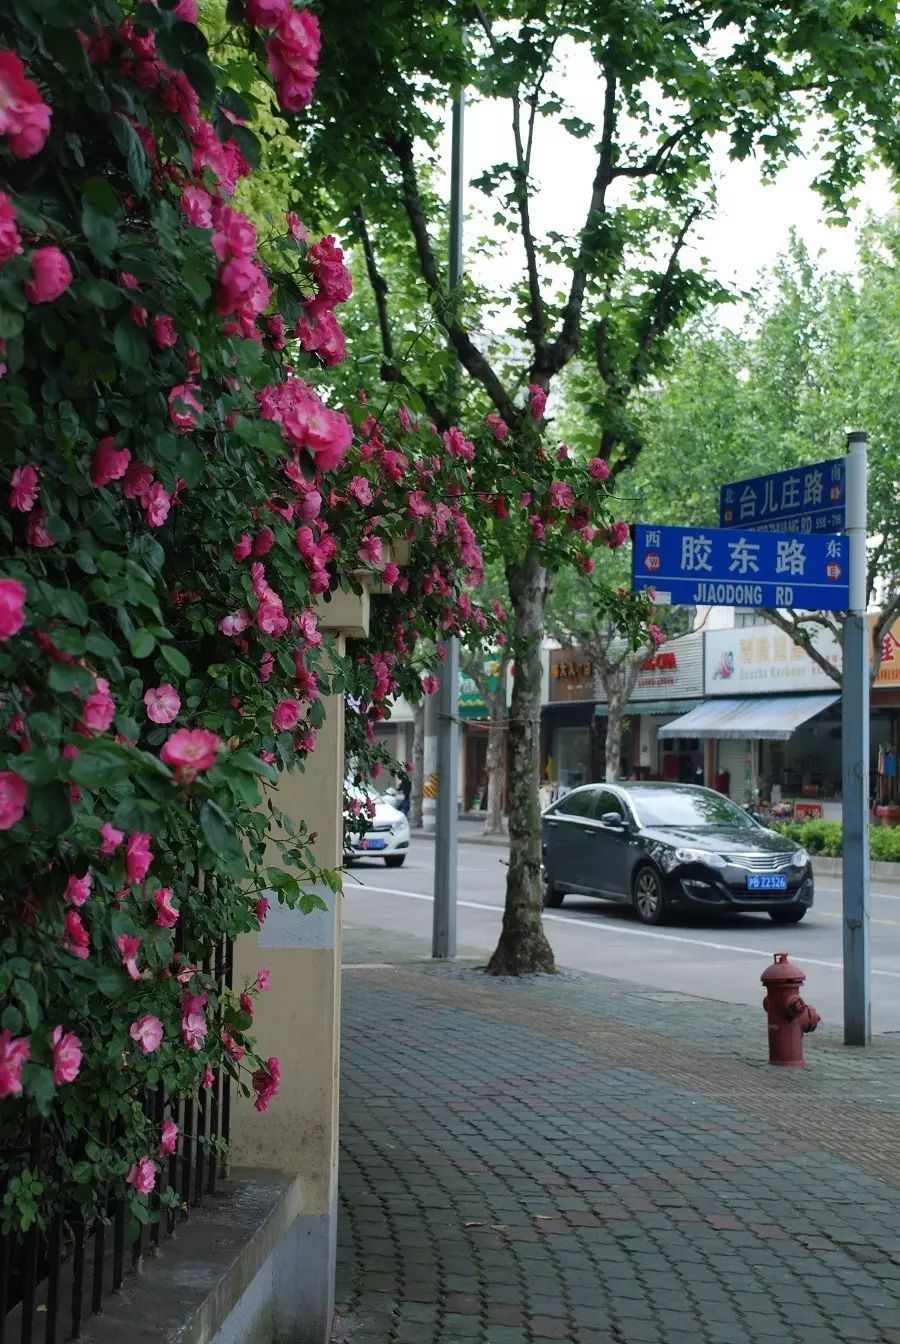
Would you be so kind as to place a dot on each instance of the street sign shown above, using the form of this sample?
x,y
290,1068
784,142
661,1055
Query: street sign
x,y
805,499
717,567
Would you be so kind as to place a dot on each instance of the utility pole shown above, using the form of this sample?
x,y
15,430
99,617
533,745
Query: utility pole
x,y
855,757
443,942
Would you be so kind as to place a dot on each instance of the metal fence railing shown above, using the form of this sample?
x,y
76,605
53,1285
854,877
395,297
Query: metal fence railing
x,y
55,1277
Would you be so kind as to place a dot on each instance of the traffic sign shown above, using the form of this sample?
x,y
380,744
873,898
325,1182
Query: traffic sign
x,y
803,500
718,567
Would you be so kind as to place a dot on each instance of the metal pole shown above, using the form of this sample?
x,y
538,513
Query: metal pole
x,y
855,758
443,942
430,764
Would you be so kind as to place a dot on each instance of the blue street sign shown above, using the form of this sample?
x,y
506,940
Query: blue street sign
x,y
805,500
717,567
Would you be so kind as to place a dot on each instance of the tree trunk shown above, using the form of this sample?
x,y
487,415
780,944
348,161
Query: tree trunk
x,y
493,822
615,710
418,770
523,945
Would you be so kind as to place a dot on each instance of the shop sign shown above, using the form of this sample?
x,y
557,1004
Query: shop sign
x,y
471,704
889,669
675,669
758,659
571,676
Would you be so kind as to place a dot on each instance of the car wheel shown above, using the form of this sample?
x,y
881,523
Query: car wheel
x,y
394,860
647,896
552,896
793,915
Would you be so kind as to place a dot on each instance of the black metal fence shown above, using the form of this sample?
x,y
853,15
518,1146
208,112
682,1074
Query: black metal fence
x,y
53,1279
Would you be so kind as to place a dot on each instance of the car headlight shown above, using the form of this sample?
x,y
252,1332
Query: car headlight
x,y
705,856
799,858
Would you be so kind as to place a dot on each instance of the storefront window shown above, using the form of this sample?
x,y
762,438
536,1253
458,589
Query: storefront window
x,y
572,753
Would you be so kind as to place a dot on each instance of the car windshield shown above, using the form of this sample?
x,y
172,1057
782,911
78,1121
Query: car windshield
x,y
691,808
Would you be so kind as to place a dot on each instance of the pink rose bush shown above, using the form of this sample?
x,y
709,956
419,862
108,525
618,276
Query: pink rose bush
x,y
24,116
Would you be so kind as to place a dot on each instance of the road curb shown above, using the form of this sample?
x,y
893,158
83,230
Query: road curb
x,y
826,867
496,840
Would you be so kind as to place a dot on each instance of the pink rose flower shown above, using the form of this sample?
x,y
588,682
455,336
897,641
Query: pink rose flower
x,y
236,623
137,480
296,228
194,1029
266,13
197,204
78,889
321,332
99,709
265,1083
156,503
538,397
263,980
35,532
24,116
76,938
67,1055
619,534
51,275
12,607
234,233
293,52
110,838
108,463
326,260
138,856
10,242
188,751
166,912
164,333
261,909
361,490
142,1175
208,1077
263,542
128,950
561,495
24,489
184,408
429,684
598,469
242,548
14,1051
498,427
148,1031
371,552
275,328
13,793
307,741
286,715
243,287
163,703
168,1140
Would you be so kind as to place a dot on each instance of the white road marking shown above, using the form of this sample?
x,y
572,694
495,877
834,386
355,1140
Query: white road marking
x,y
626,930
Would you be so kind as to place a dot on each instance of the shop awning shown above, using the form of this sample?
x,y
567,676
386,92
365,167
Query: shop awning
x,y
652,707
773,717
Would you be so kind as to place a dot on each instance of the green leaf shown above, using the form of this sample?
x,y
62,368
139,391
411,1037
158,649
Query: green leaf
x,y
101,232
72,606
38,1082
10,323
71,677
142,643
176,660
99,192
11,1019
99,764
131,347
136,164
100,645
27,996
218,833
110,981
102,293
38,767
135,814
50,810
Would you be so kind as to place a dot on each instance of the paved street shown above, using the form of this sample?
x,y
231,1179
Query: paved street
x,y
573,1158
720,958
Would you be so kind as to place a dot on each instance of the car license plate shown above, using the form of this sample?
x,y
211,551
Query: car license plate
x,y
767,881
366,843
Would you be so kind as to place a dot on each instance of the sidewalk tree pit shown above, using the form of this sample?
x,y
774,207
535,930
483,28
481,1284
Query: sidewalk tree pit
x,y
183,494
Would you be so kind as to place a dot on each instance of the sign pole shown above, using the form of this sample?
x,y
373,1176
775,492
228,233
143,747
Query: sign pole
x,y
855,758
443,941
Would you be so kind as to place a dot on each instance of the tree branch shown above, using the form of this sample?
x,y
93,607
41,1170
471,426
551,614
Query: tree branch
x,y
792,627
468,354
390,370
566,345
661,314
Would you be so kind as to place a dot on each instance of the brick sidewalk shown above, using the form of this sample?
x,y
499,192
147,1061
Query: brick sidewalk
x,y
573,1158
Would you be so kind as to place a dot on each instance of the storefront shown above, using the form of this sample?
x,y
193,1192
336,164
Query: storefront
x,y
771,719
885,704
473,738
569,754
669,683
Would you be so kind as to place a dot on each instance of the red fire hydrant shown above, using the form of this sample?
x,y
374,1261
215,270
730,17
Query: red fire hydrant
x,y
789,1017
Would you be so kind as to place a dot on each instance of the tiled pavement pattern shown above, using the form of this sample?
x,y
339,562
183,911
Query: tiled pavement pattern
x,y
576,1159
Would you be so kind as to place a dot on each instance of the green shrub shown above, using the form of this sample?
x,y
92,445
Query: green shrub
x,y
827,838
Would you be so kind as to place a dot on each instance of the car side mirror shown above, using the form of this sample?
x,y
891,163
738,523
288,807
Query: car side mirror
x,y
614,819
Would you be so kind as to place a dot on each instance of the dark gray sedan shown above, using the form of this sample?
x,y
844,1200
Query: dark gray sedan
x,y
664,847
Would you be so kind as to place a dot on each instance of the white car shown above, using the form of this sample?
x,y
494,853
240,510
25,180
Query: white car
x,y
386,835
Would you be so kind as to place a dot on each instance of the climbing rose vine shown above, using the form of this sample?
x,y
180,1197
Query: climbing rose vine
x,y
182,499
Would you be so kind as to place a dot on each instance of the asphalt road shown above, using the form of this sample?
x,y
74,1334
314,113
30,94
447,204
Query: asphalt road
x,y
718,958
